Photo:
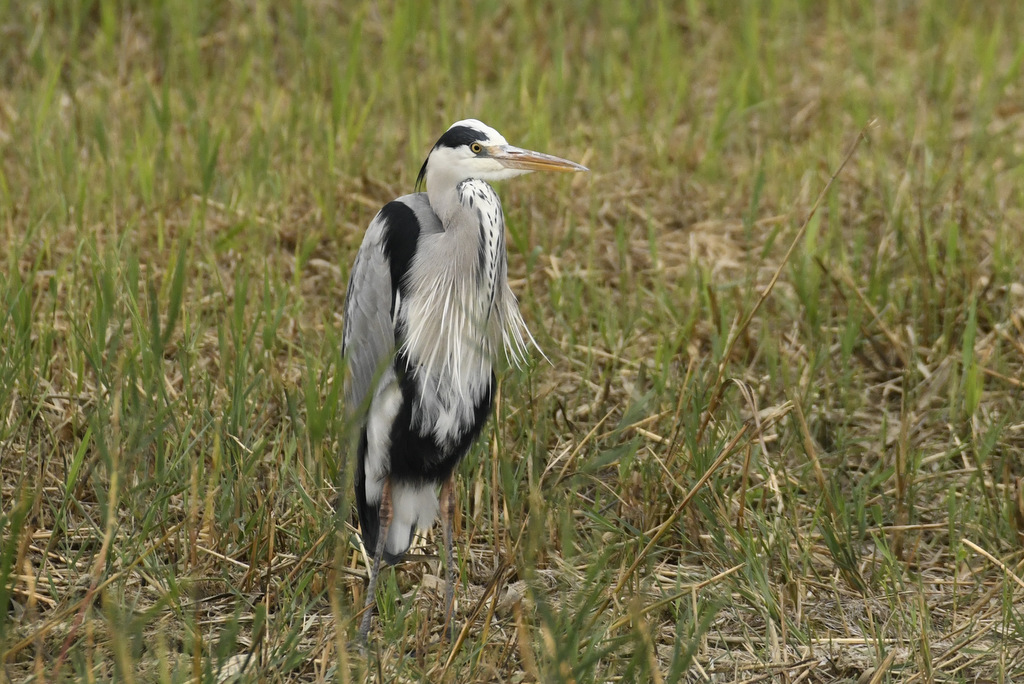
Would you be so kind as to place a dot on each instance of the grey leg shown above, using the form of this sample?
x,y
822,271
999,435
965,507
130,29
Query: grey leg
x,y
384,515
447,522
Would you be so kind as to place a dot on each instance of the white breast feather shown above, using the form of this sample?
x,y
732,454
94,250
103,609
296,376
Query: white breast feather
x,y
455,322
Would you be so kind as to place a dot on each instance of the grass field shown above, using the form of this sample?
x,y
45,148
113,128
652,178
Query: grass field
x,y
743,463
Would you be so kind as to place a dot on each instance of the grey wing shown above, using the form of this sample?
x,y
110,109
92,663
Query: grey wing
x,y
374,289
369,335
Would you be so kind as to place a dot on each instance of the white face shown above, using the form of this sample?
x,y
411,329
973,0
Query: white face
x,y
472,149
470,159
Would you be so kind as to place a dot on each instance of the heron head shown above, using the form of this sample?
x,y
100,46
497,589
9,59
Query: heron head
x,y
472,149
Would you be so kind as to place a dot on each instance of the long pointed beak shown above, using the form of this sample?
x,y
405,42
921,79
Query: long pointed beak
x,y
517,158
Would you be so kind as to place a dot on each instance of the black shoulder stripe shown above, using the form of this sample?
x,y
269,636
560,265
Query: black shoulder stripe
x,y
401,233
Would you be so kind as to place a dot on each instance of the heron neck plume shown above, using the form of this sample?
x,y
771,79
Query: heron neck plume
x,y
464,312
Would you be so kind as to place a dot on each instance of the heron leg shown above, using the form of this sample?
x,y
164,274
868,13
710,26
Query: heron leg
x,y
384,515
447,522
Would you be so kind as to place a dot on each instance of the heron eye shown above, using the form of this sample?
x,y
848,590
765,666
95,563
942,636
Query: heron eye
x,y
476,148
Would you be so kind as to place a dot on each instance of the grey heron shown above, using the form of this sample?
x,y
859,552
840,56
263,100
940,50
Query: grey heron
x,y
427,312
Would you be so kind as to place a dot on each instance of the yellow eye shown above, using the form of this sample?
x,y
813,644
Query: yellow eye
x,y
476,148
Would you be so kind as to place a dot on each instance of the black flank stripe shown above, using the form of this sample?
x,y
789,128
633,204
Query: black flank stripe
x,y
419,458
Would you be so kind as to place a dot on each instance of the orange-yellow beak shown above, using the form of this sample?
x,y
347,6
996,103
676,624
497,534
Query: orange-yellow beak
x,y
517,158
